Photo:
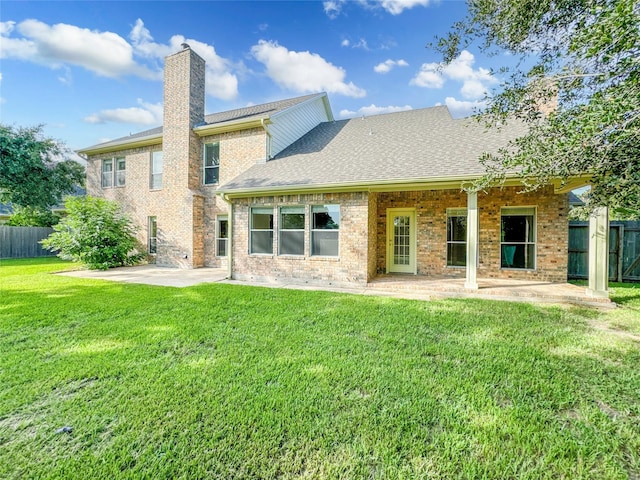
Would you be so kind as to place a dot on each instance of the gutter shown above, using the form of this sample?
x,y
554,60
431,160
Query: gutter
x,y
442,183
137,142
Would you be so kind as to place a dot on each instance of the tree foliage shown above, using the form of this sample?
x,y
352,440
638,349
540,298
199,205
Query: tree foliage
x,y
32,217
33,171
95,232
586,54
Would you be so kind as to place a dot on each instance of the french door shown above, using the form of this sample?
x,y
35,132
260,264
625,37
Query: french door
x,y
401,240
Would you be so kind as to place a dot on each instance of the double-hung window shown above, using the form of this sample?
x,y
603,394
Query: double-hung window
x,y
518,237
291,230
121,169
456,237
113,177
261,234
155,180
107,173
211,163
325,230
222,236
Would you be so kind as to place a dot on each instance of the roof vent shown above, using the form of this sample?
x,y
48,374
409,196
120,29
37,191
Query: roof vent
x,y
185,46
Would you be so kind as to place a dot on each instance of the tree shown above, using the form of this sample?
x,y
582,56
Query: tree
x,y
95,232
33,171
585,54
32,217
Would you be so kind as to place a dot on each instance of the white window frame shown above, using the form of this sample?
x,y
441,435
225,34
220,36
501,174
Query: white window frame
x,y
215,167
264,211
219,238
106,176
524,212
152,242
316,231
451,213
297,210
154,183
120,173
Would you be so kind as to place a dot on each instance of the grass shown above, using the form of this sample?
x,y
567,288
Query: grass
x,y
222,381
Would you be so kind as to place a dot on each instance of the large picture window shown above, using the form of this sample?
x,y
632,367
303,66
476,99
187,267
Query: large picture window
x,y
156,170
211,163
291,230
261,230
222,236
456,237
325,230
518,237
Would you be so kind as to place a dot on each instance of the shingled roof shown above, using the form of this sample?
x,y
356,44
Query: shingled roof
x,y
253,112
425,145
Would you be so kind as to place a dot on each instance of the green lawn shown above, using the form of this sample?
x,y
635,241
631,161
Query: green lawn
x,y
222,381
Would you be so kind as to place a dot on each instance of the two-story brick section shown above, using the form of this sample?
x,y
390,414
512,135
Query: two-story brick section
x,y
283,191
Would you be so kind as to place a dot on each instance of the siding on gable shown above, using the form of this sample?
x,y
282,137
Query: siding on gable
x,y
294,123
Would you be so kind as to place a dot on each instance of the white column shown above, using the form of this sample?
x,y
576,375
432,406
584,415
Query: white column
x,y
599,253
471,281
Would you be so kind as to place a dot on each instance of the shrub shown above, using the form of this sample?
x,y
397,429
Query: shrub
x,y
95,232
32,217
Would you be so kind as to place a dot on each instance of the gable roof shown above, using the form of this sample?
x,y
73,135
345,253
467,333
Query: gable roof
x,y
415,146
230,117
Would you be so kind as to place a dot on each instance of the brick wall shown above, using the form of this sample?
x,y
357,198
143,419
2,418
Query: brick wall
x,y
431,216
351,267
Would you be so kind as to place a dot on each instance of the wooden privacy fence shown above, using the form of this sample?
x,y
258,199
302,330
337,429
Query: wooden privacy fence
x,y
624,251
23,242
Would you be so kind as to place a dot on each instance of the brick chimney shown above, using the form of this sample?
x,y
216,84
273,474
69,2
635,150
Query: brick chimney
x,y
181,225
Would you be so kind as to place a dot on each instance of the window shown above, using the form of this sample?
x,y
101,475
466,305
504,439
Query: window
x,y
107,173
291,232
156,170
261,240
325,229
121,166
222,236
153,235
211,163
518,238
456,237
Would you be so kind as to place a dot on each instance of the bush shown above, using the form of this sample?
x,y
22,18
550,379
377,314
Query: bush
x,y
95,232
32,217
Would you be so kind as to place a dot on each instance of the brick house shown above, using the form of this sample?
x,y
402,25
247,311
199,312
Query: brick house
x,y
283,191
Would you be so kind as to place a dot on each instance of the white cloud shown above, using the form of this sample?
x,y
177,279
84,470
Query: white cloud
x,y
463,108
373,110
332,8
429,76
221,82
387,65
396,7
475,82
144,114
362,43
303,71
345,43
104,53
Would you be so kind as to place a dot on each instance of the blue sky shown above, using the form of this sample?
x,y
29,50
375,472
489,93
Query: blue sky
x,y
92,71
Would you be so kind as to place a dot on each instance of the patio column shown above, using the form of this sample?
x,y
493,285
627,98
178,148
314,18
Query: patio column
x,y
471,281
599,253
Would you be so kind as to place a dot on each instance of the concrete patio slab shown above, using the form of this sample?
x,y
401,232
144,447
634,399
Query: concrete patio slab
x,y
412,287
154,275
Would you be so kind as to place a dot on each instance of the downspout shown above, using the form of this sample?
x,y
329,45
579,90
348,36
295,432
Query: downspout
x,y
269,139
229,236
